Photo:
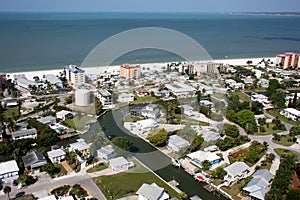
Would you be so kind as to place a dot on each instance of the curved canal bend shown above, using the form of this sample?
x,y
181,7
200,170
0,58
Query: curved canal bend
x,y
152,158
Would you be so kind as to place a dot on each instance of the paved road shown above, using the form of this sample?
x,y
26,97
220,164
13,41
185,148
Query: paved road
x,y
83,179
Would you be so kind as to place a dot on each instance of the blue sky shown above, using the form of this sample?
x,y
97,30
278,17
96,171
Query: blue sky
x,y
152,5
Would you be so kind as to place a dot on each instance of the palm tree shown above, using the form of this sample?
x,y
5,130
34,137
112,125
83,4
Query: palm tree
x,y
7,190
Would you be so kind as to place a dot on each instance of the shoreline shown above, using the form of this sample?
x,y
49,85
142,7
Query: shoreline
x,y
155,66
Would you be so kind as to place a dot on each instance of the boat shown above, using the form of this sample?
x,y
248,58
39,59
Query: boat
x,y
201,177
176,162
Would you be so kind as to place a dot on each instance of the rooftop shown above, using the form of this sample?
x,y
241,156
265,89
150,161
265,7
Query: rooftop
x,y
74,69
236,168
150,192
56,153
8,166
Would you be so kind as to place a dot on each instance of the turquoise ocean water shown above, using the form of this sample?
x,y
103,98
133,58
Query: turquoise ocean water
x,y
39,41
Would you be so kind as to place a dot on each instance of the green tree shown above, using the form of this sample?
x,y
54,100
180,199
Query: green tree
x,y
252,157
246,119
122,142
7,190
295,130
205,165
159,139
231,131
257,107
68,99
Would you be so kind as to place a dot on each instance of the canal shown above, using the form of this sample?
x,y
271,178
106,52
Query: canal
x,y
151,157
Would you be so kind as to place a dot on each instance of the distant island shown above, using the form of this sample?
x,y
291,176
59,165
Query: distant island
x,y
268,13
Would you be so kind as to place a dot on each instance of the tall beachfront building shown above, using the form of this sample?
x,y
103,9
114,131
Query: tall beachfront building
x,y
130,71
288,59
75,75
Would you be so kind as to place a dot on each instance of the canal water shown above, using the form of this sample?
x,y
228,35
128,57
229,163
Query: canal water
x,y
151,157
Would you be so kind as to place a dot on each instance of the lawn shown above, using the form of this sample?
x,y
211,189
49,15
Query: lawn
x,y
79,122
285,140
129,118
242,96
12,112
97,168
234,190
269,130
146,99
124,184
275,113
283,152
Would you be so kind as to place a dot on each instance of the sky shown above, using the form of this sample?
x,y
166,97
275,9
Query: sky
x,y
152,5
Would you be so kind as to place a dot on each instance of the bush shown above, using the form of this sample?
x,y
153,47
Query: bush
x,y
159,139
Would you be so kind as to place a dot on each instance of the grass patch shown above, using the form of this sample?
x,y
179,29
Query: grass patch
x,y
275,113
283,152
97,168
129,118
242,156
269,130
11,112
285,140
146,99
242,96
78,123
234,190
122,184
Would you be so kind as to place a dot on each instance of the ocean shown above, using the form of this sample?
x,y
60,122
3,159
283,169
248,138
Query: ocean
x,y
41,41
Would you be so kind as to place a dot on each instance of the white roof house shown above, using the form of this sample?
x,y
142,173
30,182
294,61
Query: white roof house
x,y
106,152
146,124
120,164
126,97
236,171
51,197
79,145
259,185
210,135
63,114
151,192
48,120
181,90
260,98
54,80
291,113
199,156
23,134
9,170
176,143
56,155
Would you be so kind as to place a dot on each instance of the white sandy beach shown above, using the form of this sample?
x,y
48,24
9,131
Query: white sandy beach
x,y
152,66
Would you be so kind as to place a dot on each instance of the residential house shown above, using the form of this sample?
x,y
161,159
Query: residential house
x,y
263,83
120,164
126,97
161,93
21,126
152,192
106,152
151,111
80,146
141,92
209,135
24,134
34,159
260,98
199,156
211,148
9,103
9,170
105,97
206,103
51,197
181,90
146,124
236,171
177,143
48,120
291,113
56,156
65,114
259,185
